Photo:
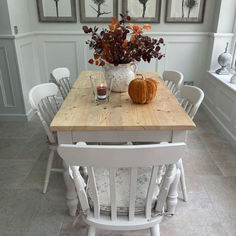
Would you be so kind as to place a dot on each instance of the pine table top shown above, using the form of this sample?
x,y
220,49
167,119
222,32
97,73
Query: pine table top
x,y
80,112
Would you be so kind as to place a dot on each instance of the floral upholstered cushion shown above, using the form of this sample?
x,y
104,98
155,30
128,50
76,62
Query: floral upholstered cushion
x,y
122,180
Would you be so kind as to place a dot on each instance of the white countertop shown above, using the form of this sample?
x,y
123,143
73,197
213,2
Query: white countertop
x,y
225,79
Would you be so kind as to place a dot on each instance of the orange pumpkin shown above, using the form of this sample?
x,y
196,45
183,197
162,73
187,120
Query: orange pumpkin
x,y
142,90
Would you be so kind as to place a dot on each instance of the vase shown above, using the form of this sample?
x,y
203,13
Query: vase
x,y
121,74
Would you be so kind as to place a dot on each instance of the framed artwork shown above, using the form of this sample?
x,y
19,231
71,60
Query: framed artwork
x,y
98,11
185,11
144,11
56,10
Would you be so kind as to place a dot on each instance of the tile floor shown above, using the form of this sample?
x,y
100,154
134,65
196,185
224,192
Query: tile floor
x,y
210,166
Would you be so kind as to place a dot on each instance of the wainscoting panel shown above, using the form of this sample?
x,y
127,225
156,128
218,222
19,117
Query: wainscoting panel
x,y
61,54
5,80
224,104
185,52
28,66
185,58
11,101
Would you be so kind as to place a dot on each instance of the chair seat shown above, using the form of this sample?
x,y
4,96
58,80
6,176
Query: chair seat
x,y
122,189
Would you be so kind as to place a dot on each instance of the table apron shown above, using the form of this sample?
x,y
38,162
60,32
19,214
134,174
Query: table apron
x,y
69,137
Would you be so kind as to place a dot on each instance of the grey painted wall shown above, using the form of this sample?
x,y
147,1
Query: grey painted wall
x,y
5,26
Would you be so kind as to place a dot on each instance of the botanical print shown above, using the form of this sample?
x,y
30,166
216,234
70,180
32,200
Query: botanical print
x,y
142,8
57,8
144,4
185,8
99,8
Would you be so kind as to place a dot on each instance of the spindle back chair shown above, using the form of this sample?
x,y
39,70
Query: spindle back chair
x,y
113,158
173,80
191,99
61,77
43,100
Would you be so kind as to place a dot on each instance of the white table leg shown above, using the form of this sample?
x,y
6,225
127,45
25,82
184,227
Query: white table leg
x,y
177,136
71,195
172,198
65,137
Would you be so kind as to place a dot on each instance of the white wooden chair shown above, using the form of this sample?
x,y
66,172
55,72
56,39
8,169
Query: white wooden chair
x,y
61,77
190,99
120,165
173,80
44,102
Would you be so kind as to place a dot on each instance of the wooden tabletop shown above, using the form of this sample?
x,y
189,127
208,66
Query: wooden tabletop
x,y
80,112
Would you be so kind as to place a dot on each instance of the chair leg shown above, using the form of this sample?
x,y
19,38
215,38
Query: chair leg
x,y
155,230
91,231
48,170
182,180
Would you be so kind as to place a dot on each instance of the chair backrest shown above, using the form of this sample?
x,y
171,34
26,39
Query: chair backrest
x,y
123,156
61,77
173,80
44,102
191,99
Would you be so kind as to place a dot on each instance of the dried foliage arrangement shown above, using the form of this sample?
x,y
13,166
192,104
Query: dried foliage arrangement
x,y
122,43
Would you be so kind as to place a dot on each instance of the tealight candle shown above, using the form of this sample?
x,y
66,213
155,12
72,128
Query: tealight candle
x,y
102,92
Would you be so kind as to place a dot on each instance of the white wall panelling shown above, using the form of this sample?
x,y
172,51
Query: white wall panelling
x,y
56,49
27,55
5,80
11,102
220,105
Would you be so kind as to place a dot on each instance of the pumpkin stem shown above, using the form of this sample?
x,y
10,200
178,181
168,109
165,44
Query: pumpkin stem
x,y
140,75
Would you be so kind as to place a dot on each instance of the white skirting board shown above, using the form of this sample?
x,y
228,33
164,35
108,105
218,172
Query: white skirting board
x,y
18,117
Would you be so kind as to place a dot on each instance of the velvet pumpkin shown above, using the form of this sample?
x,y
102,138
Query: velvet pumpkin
x,y
142,90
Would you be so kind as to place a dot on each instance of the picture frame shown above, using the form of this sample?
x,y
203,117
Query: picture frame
x,y
57,11
185,11
103,11
142,11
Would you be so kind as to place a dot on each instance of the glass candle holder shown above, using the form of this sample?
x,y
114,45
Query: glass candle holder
x,y
101,87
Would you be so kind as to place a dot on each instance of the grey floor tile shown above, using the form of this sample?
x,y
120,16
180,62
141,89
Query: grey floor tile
x,y
50,214
17,209
228,168
14,172
20,129
10,148
199,162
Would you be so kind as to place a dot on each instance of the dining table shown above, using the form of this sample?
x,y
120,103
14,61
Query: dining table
x,y
81,119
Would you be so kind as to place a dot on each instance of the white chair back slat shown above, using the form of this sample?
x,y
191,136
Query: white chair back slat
x,y
132,197
185,103
152,184
43,100
173,88
112,175
173,80
189,108
61,77
46,109
65,83
194,96
95,197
